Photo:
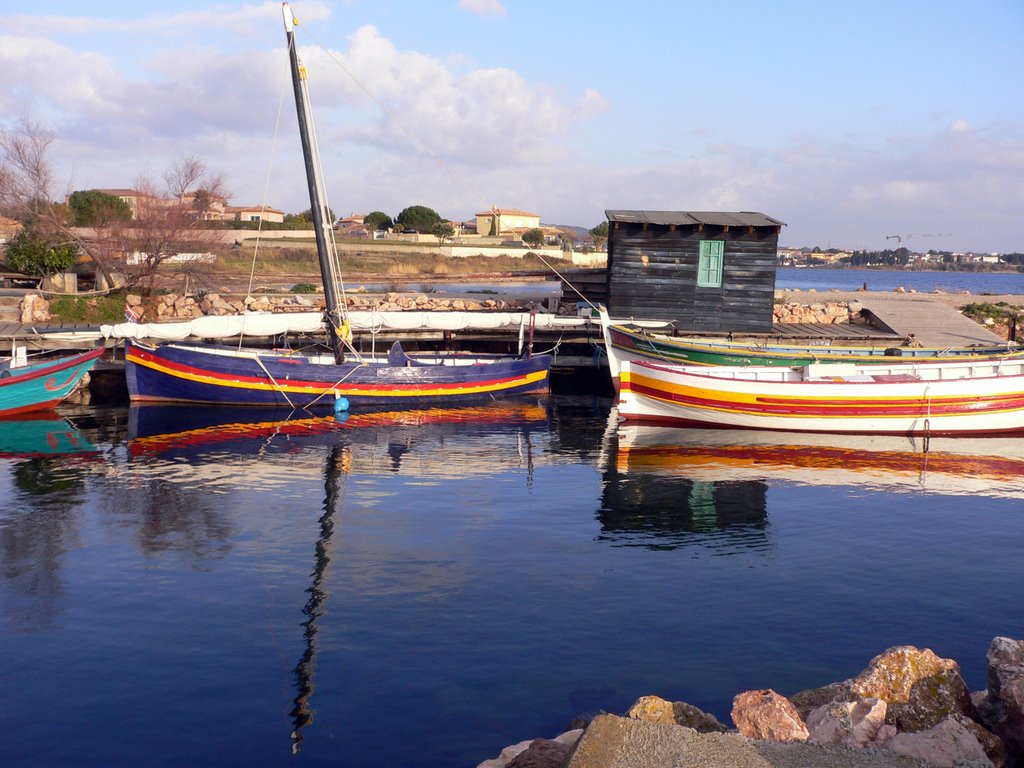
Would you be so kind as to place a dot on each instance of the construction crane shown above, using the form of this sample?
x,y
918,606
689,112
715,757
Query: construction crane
x,y
899,238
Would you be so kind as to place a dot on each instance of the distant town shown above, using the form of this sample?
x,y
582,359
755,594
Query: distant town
x,y
497,226
901,257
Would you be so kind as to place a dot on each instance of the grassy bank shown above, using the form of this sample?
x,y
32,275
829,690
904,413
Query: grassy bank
x,y
299,258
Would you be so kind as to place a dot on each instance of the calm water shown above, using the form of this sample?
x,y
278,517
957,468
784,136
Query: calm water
x,y
212,587
888,280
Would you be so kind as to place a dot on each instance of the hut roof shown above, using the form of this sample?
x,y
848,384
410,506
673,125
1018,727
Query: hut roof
x,y
692,218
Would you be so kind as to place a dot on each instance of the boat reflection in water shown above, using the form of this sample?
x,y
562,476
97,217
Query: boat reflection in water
x,y
388,439
38,435
658,506
894,464
196,440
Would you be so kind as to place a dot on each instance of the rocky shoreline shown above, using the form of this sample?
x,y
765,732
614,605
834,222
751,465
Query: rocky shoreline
x,y
908,708
35,308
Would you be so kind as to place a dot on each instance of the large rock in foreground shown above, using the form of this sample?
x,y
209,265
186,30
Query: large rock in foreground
x,y
953,740
1002,709
657,710
620,742
767,715
850,723
919,688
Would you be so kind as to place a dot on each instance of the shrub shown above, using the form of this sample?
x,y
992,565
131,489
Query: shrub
x,y
102,310
30,253
303,288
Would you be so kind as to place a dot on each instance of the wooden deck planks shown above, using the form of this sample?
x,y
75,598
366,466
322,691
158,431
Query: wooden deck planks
x,y
932,322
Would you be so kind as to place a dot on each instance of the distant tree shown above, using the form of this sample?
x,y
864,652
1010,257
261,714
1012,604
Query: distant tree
x,y
92,208
533,237
378,221
417,218
202,202
306,217
33,253
599,235
443,231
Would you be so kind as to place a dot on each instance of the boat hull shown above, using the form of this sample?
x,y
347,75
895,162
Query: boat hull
x,y
926,399
624,343
41,386
214,374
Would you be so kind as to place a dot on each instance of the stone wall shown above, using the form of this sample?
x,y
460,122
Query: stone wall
x,y
820,312
34,308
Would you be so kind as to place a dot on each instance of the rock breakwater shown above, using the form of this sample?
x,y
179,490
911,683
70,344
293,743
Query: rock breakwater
x,y
173,306
909,708
34,308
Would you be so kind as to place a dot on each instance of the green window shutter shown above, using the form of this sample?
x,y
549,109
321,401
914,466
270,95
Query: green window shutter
x,y
709,266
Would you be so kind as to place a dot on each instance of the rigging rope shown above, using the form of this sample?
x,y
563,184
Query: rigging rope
x,y
422,146
392,116
266,195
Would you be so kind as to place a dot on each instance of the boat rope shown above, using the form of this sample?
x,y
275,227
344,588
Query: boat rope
x,y
266,197
564,279
928,417
334,386
553,350
270,376
393,117
331,241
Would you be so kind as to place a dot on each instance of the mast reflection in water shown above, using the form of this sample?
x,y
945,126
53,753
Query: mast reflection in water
x,y
336,467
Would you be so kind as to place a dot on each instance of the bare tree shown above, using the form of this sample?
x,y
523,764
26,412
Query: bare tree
x,y
188,176
166,221
26,192
25,175
170,222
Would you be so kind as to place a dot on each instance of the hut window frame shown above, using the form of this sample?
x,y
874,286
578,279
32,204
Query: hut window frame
x,y
709,263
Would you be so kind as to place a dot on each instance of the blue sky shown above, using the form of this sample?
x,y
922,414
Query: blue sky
x,y
848,121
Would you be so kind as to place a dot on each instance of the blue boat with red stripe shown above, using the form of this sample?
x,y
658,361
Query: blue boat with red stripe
x,y
205,373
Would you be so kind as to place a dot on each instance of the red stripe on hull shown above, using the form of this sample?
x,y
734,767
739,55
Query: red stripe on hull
x,y
840,408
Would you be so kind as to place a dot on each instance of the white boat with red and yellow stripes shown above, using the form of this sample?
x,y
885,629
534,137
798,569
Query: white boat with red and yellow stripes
x,y
969,397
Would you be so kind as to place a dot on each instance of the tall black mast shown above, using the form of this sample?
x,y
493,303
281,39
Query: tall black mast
x,y
316,196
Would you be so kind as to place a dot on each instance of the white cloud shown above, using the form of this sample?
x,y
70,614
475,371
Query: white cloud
x,y
475,118
483,7
88,82
244,19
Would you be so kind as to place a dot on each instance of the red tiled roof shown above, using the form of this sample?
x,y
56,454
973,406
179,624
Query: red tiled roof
x,y
508,212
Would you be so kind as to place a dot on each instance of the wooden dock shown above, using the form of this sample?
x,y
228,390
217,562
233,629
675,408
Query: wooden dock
x,y
932,322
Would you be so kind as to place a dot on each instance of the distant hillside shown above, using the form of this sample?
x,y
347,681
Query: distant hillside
x,y
582,233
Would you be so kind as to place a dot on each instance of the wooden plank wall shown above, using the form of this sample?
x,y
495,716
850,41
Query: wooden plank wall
x,y
652,275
